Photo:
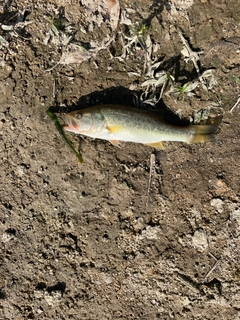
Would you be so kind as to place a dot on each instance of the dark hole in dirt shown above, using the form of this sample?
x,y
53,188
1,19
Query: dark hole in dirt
x,y
215,284
72,236
7,206
105,236
83,264
60,286
41,286
30,314
11,231
152,223
24,165
44,255
2,294
221,175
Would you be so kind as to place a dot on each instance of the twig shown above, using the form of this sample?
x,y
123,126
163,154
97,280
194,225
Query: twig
x,y
152,165
211,255
107,176
235,105
50,69
183,279
54,89
216,263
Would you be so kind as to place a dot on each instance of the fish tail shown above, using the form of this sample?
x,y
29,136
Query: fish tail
x,y
204,133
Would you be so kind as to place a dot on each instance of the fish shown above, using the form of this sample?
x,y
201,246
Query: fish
x,y
117,123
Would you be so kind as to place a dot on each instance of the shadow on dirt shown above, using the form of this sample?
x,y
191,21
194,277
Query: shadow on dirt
x,y
123,96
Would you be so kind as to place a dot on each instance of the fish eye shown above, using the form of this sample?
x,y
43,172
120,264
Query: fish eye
x,y
78,116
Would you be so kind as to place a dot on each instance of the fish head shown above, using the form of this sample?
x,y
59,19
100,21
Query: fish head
x,y
84,121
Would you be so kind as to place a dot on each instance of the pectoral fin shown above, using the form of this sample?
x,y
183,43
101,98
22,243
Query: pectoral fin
x,y
113,129
156,145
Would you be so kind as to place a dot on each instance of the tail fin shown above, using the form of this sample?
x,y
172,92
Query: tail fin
x,y
204,133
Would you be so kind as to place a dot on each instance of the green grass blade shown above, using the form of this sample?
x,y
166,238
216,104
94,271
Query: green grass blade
x,y
59,128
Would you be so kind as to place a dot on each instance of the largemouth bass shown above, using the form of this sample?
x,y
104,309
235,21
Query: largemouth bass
x,y
119,123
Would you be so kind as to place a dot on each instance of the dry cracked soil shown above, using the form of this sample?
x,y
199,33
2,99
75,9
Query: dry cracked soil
x,y
132,233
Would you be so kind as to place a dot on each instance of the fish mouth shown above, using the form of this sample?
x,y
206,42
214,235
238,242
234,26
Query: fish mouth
x,y
71,125
76,126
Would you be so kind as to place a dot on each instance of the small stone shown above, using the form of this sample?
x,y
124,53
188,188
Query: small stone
x,y
235,214
217,204
127,214
199,240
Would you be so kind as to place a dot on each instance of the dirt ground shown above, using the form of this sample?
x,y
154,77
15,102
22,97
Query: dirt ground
x,y
132,233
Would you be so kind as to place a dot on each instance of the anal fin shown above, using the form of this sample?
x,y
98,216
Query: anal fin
x,y
156,145
115,142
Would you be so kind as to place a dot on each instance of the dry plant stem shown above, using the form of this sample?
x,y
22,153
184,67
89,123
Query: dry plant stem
x,y
152,165
54,89
187,283
217,261
85,56
191,53
235,105
162,90
213,268
192,57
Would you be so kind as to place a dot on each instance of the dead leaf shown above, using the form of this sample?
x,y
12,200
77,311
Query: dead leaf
x,y
74,57
75,54
114,11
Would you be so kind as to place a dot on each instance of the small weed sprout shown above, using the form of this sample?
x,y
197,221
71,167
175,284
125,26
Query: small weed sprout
x,y
136,37
235,79
157,83
154,82
57,33
139,33
136,43
56,25
187,89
